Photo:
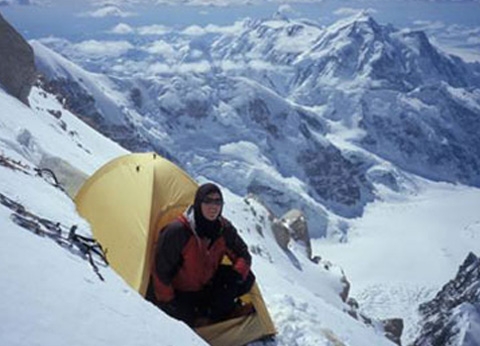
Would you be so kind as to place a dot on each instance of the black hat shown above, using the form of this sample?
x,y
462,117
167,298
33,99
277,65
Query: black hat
x,y
203,226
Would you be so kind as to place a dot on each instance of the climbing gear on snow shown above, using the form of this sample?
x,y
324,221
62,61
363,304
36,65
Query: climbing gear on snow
x,y
66,237
49,177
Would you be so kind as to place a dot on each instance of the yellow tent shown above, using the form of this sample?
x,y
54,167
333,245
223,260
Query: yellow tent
x,y
127,202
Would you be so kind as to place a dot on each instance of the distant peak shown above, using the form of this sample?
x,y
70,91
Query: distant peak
x,y
362,16
471,259
360,22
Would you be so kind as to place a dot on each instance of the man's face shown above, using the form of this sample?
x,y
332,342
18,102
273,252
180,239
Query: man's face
x,y
211,206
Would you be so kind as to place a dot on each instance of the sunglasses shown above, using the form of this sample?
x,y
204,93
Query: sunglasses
x,y
214,201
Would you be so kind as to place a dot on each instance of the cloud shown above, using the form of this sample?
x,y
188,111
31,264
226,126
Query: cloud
x,y
460,40
161,48
102,3
261,65
99,49
474,40
153,30
285,10
184,68
108,11
453,35
218,3
195,30
456,31
230,65
257,65
226,3
159,68
194,67
122,29
53,40
22,2
428,25
349,11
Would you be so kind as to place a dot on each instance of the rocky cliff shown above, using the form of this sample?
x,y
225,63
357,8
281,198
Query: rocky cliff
x,y
17,70
452,318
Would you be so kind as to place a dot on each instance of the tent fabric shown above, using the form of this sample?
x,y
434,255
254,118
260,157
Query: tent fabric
x,y
127,202
242,330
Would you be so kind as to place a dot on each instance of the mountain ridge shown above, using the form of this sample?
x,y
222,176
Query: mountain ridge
x,y
344,81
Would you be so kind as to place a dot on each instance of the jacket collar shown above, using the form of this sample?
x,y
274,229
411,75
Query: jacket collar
x,y
189,216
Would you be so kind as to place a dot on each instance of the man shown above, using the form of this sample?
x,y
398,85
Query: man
x,y
188,280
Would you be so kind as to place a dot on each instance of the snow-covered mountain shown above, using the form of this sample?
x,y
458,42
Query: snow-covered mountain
x,y
269,147
305,116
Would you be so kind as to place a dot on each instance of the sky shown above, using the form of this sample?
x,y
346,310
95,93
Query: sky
x,y
453,25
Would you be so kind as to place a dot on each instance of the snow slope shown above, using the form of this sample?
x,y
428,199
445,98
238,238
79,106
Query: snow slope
x,y
51,296
405,248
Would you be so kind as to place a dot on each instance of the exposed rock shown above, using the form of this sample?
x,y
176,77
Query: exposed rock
x,y
75,99
346,288
292,225
17,70
258,110
453,317
298,229
352,302
80,102
136,97
316,259
393,329
281,234
335,178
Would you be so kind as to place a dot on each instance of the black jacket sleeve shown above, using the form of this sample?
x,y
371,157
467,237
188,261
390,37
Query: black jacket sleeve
x,y
236,247
168,256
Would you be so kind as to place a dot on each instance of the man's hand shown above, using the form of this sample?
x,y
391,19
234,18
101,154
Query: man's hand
x,y
242,268
237,277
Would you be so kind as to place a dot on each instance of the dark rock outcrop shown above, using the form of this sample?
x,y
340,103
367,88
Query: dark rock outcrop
x,y
453,317
293,225
17,70
393,329
281,234
297,224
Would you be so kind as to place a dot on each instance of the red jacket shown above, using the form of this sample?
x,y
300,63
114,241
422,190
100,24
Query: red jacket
x,y
185,262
